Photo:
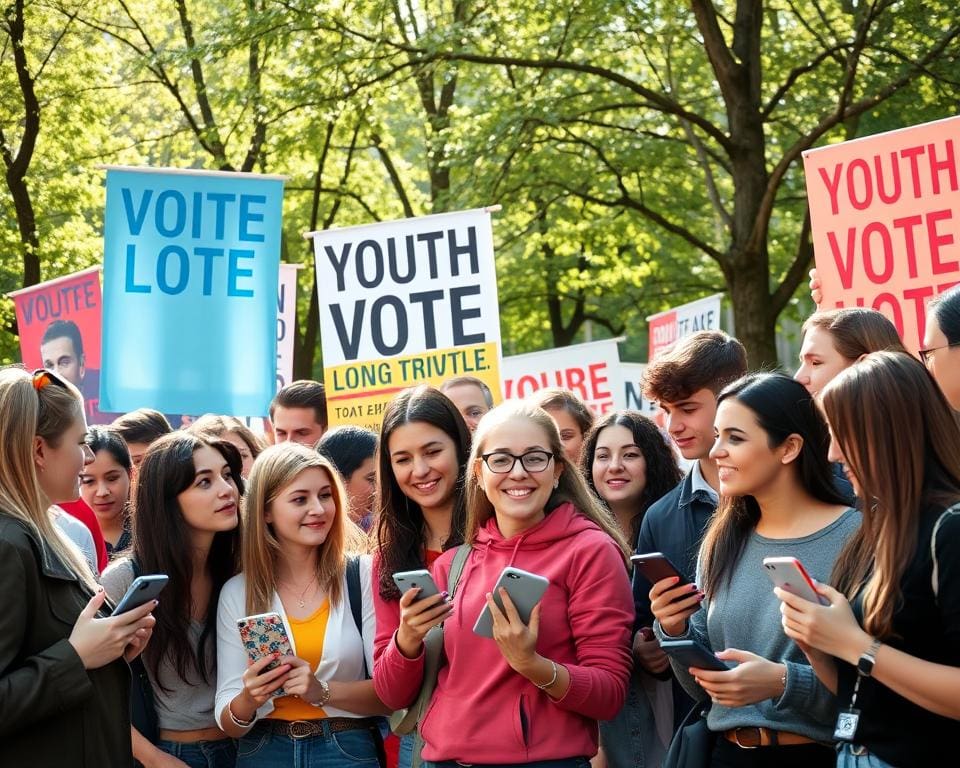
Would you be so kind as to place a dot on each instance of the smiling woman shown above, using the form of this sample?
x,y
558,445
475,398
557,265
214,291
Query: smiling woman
x,y
777,498
569,665
185,526
295,564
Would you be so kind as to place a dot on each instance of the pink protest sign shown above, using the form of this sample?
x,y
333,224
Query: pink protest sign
x,y
885,215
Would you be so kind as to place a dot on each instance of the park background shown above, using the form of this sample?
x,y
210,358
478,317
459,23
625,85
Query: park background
x,y
644,153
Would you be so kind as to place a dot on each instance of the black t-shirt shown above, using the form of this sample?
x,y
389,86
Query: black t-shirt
x,y
896,730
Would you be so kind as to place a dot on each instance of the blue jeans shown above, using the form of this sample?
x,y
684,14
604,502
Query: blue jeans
x,y
265,748
848,757
221,753
405,753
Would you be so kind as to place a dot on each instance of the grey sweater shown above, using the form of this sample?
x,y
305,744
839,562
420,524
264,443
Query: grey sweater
x,y
745,614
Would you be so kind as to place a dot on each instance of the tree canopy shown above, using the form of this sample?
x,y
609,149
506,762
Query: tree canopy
x,y
644,153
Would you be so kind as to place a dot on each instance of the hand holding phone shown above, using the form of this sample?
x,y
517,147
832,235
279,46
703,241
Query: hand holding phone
x,y
525,590
789,574
265,636
690,653
143,590
419,612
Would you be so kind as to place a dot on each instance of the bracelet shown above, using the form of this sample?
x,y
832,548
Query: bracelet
x,y
236,720
324,694
552,679
783,679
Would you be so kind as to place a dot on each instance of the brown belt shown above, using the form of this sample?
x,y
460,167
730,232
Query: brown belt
x,y
191,737
304,729
753,737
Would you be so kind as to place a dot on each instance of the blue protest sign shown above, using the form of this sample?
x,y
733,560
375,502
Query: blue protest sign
x,y
190,270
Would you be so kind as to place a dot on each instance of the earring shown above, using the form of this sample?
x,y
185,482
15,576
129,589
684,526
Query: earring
x,y
556,483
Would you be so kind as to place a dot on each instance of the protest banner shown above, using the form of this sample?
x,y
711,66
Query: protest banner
x,y
403,303
59,326
190,268
884,214
286,322
590,370
668,327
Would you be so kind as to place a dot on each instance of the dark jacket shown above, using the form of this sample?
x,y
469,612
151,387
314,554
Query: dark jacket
x,y
673,525
53,712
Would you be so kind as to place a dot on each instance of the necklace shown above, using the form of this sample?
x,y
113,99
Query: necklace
x,y
301,601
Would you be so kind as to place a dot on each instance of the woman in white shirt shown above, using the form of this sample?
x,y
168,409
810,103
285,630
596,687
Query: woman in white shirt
x,y
296,532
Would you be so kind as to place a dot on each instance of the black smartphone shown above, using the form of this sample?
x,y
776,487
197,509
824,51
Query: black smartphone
x,y
690,653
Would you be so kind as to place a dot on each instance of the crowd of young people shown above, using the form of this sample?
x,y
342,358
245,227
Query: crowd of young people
x,y
852,467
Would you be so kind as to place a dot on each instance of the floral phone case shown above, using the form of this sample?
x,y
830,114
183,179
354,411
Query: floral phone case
x,y
263,635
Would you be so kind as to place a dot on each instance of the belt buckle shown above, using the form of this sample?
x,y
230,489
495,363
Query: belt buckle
x,y
755,729
858,750
301,729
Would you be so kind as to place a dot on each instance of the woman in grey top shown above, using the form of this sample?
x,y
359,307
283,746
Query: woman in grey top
x,y
777,500
185,526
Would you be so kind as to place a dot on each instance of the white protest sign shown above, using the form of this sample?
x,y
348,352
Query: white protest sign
x,y
667,327
403,303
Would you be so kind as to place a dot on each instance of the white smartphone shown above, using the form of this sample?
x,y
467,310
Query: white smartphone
x,y
141,591
525,590
408,579
789,574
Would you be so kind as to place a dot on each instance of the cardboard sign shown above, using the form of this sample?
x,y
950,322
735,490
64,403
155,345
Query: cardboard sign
x,y
286,322
190,267
885,214
404,303
589,370
631,375
59,324
666,328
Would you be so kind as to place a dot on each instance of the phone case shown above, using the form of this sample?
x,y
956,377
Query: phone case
x,y
655,566
141,590
525,590
691,654
263,635
407,579
789,574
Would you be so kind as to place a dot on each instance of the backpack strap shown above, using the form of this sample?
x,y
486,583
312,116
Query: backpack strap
x,y
355,598
935,571
456,568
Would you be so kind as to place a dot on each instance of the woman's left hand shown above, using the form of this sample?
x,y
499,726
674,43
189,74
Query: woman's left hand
x,y
753,679
832,629
301,681
517,641
137,644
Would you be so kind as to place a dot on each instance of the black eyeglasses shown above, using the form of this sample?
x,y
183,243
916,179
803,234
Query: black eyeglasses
x,y
502,462
42,377
926,354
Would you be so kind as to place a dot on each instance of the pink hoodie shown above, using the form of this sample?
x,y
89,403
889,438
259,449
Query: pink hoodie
x,y
484,712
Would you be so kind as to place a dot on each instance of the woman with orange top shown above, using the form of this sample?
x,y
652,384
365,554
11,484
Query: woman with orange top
x,y
296,535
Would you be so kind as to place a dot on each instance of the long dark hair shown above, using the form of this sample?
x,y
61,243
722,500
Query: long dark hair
x,y
783,407
400,524
161,544
900,440
662,471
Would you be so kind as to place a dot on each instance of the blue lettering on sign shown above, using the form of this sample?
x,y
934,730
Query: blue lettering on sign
x,y
199,216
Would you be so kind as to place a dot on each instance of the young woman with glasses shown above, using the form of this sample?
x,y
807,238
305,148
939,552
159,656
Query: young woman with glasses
x,y
533,693
64,679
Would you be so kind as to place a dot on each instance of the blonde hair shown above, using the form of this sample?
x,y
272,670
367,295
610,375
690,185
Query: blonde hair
x,y
25,414
274,470
571,485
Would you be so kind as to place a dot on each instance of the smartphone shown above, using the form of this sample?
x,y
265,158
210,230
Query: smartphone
x,y
141,591
656,566
525,590
789,574
263,635
422,578
690,653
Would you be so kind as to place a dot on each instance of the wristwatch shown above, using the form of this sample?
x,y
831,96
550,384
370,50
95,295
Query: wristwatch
x,y
868,659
